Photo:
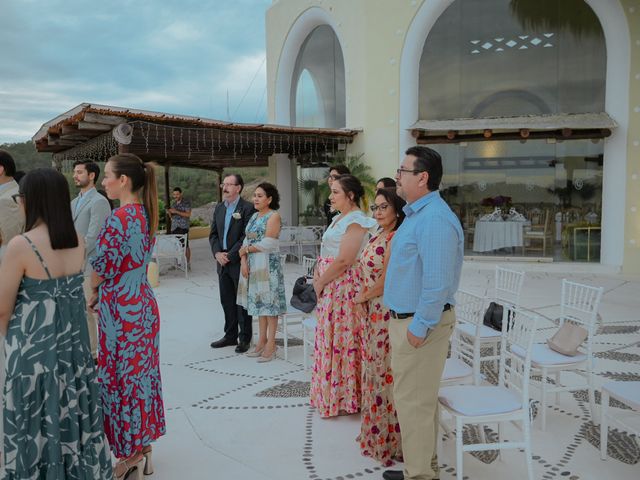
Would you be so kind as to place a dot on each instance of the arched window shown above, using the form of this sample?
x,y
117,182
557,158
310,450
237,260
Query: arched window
x,y
518,58
511,58
318,92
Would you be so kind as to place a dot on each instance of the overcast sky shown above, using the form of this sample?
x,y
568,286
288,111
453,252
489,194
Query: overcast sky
x,y
171,56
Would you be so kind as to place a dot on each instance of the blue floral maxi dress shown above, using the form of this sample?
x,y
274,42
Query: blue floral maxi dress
x,y
263,293
52,416
128,327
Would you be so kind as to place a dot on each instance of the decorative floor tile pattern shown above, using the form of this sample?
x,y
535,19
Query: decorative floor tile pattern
x,y
230,417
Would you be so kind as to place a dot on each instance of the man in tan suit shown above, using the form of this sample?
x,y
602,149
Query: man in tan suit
x,y
89,210
11,216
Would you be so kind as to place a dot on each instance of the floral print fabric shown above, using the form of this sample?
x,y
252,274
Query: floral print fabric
x,y
129,324
52,417
380,431
335,379
262,294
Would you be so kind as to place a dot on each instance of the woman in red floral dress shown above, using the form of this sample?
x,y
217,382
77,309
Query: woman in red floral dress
x,y
129,322
380,431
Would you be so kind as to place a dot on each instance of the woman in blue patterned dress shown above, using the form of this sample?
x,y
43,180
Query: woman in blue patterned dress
x,y
261,286
52,417
129,322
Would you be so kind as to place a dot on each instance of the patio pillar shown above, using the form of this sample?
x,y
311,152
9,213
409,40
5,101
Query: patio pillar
x,y
167,198
283,170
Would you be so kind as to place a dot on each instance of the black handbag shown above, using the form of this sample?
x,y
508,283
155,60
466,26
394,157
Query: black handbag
x,y
304,296
493,316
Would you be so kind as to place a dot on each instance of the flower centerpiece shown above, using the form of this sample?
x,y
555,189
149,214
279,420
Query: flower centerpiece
x,y
499,201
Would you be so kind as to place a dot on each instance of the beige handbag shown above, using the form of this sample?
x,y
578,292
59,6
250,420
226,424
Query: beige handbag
x,y
568,338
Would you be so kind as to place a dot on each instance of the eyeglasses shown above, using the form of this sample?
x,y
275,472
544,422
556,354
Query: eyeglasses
x,y
382,207
17,196
334,177
405,170
229,184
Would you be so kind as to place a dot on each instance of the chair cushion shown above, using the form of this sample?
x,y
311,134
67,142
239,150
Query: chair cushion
x,y
473,400
456,368
626,392
469,330
543,355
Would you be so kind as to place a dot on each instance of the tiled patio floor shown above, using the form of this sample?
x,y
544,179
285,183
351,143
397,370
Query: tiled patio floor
x,y
230,417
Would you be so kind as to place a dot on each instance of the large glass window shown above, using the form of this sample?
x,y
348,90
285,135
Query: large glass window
x,y
507,58
318,92
513,57
537,179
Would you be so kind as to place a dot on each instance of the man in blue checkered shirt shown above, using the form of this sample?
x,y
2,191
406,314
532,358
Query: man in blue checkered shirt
x,y
422,278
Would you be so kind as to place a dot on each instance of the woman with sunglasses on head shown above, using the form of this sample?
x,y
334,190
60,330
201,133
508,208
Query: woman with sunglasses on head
x,y
52,410
335,380
128,317
380,431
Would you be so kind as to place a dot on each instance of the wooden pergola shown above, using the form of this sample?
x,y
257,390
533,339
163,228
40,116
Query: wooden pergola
x,y
96,132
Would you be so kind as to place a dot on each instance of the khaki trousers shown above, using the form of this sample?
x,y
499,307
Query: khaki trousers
x,y
416,382
91,317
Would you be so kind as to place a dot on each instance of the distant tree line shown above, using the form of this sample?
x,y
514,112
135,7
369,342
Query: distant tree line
x,y
200,186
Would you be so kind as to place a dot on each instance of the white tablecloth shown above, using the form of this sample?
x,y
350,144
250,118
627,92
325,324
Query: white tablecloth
x,y
490,236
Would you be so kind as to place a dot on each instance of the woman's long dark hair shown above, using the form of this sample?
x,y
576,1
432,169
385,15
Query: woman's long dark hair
x,y
143,177
45,193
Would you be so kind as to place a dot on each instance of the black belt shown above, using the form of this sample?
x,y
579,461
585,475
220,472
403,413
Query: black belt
x,y
402,316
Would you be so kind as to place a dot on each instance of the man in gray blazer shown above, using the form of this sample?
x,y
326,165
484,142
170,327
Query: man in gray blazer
x,y
90,210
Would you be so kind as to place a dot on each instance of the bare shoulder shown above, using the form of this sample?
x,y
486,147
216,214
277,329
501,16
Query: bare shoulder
x,y
18,245
275,218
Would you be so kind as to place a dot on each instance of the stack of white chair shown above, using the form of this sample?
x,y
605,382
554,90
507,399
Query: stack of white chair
x,y
461,368
579,304
310,239
470,330
289,242
293,316
171,247
506,402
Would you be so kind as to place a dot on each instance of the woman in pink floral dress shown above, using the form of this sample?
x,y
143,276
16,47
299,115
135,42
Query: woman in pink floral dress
x,y
380,431
335,380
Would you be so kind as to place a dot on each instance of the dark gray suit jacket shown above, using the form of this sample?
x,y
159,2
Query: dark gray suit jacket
x,y
235,235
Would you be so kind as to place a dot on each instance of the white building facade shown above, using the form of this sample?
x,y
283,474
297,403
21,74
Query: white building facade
x,y
564,77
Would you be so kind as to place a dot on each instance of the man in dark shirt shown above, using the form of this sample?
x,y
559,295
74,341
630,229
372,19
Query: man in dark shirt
x,y
180,214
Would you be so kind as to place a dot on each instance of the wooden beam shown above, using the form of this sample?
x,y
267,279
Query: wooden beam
x,y
54,140
96,127
533,135
106,119
76,137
